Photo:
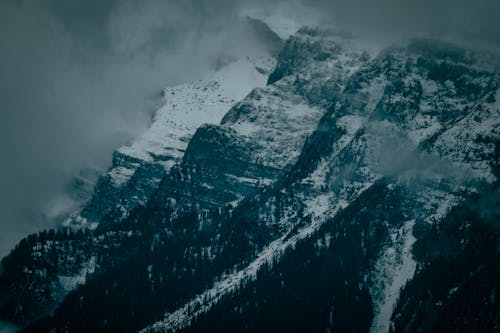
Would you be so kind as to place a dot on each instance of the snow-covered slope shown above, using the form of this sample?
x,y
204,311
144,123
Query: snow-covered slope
x,y
190,105
261,137
385,130
138,167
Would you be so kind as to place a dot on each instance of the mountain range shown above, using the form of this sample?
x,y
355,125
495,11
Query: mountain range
x,y
315,185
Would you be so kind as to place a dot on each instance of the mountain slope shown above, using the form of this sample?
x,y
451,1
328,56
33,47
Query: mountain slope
x,y
376,131
138,168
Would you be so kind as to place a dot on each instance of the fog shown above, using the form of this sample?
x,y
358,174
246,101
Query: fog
x,y
472,20
80,78
397,157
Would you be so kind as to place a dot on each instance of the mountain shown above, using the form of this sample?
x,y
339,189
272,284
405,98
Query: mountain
x,y
139,167
350,190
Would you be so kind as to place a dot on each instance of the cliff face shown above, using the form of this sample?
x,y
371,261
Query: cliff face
x,y
261,137
138,168
308,207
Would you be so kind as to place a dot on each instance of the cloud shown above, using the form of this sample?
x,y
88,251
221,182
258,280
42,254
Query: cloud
x,y
464,18
394,155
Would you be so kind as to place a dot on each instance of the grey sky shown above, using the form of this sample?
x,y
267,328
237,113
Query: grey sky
x,y
477,19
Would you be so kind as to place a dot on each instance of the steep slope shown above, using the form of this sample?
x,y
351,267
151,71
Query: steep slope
x,y
261,137
463,251
379,134
138,168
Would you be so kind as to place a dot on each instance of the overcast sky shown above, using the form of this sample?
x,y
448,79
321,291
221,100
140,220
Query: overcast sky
x,y
78,78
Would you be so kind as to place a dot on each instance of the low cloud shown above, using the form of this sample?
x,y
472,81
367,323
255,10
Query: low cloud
x,y
473,20
397,157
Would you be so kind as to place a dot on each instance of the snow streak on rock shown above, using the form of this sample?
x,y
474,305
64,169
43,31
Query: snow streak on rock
x,y
205,301
392,270
70,282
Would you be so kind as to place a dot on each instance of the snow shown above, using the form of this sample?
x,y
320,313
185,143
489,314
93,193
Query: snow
x,y
423,127
375,92
279,124
395,266
391,272
278,119
70,282
253,181
317,179
316,207
436,203
75,221
120,175
186,107
190,105
351,123
461,143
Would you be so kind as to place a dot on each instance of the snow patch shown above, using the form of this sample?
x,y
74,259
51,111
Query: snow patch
x,y
190,105
71,282
436,203
317,179
351,124
203,302
120,175
279,124
391,272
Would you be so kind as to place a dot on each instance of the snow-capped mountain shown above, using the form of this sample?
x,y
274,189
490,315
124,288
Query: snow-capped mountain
x,y
139,167
331,189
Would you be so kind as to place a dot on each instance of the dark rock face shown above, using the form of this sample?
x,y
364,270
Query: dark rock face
x,y
110,196
296,53
217,169
309,207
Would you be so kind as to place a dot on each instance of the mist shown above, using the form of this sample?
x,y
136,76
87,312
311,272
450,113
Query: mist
x,y
80,78
397,157
464,20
